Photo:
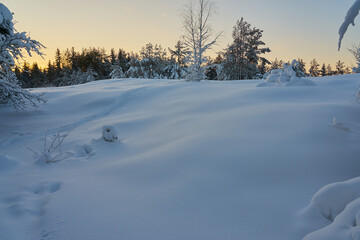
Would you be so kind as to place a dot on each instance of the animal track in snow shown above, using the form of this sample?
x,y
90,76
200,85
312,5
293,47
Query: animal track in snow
x,y
33,201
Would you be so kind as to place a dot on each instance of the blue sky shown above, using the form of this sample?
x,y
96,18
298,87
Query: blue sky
x,y
306,29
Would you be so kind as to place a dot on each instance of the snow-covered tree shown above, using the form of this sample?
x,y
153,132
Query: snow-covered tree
x,y
173,70
13,45
134,70
299,67
349,19
117,72
90,75
198,36
153,61
355,51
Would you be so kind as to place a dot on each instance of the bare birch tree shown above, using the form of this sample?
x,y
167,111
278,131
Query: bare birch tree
x,y
198,37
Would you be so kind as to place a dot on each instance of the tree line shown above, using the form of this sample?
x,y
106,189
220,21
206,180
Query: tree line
x,y
71,67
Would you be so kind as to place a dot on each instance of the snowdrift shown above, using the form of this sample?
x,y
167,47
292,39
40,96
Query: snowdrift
x,y
334,212
184,160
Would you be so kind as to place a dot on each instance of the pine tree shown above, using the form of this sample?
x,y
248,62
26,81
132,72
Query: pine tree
x,y
73,59
323,70
50,74
329,71
179,53
123,60
176,66
241,58
276,64
314,68
302,66
340,68
25,79
112,57
36,75
58,61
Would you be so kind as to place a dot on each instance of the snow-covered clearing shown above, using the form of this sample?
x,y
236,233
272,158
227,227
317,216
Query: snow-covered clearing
x,y
199,160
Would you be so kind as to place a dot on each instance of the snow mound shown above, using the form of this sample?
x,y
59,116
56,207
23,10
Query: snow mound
x,y
346,225
109,133
335,210
340,125
285,77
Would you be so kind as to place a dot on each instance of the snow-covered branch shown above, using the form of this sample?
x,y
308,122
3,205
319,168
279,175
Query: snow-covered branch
x,y
13,44
349,19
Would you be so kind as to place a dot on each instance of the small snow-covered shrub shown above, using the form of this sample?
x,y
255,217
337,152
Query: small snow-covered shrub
x,y
285,76
109,133
358,95
52,151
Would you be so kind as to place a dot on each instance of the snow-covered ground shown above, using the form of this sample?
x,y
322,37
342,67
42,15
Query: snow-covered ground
x,y
193,160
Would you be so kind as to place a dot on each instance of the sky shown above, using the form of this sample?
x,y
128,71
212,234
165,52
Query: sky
x,y
304,29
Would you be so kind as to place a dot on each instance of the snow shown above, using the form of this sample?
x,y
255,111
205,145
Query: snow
x,y
285,76
338,205
5,14
195,160
349,19
109,133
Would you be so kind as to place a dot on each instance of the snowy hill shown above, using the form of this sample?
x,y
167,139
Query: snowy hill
x,y
199,160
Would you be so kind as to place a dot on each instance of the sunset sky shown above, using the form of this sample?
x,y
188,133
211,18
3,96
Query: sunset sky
x,y
307,29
